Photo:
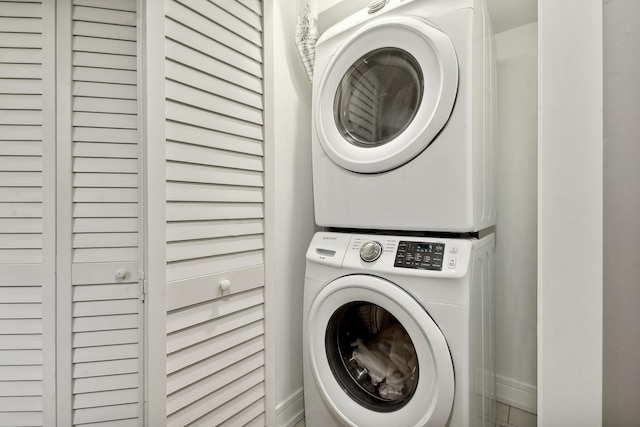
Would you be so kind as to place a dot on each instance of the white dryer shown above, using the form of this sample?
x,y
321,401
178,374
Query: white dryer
x,y
398,331
403,118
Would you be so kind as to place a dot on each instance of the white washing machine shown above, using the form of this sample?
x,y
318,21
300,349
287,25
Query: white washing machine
x,y
403,118
398,331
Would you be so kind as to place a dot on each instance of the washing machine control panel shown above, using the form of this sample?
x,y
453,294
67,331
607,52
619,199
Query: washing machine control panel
x,y
419,255
416,256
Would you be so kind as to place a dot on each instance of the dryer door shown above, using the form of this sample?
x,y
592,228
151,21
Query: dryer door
x,y
377,356
386,94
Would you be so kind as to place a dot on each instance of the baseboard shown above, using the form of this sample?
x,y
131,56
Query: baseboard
x,y
511,392
291,411
518,394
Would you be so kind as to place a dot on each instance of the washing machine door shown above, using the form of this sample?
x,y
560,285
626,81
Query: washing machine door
x,y
377,357
386,94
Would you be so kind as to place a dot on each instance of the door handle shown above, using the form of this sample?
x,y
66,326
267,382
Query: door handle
x,y
121,274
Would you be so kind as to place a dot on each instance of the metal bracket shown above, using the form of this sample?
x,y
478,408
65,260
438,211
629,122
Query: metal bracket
x,y
142,286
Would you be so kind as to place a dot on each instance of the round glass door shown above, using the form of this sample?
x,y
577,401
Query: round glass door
x,y
377,357
385,94
372,356
378,97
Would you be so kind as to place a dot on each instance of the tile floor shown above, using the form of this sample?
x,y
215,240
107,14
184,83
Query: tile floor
x,y
509,416
506,416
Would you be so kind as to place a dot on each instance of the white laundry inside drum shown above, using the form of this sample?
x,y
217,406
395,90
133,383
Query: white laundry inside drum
x,y
372,356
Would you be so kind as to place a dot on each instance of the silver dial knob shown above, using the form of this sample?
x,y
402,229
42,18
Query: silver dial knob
x,y
370,251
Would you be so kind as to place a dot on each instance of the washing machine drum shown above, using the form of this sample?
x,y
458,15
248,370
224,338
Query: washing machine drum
x,y
385,94
377,356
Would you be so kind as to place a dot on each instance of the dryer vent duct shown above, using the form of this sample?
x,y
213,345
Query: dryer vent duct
x,y
306,38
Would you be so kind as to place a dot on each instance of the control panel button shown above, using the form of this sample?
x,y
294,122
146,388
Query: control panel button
x,y
370,251
419,255
452,263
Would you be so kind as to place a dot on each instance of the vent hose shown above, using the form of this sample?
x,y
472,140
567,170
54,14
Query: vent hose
x,y
307,36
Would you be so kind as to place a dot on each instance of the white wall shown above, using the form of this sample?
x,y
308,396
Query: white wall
x,y
570,213
333,11
516,246
621,375
326,4
290,222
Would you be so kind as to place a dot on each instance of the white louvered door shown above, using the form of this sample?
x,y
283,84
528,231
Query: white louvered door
x,y
215,231
71,306
71,301
100,309
27,212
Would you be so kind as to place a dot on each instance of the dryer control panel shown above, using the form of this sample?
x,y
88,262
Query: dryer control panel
x,y
419,255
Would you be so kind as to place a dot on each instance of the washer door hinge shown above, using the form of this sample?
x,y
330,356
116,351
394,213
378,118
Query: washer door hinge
x,y
142,286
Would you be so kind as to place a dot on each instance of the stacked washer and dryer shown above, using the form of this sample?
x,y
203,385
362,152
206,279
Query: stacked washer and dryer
x,y
398,311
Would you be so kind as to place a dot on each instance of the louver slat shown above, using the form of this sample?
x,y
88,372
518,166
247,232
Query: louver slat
x,y
189,37
113,382
21,40
23,25
20,56
180,73
218,407
100,14
210,384
241,12
22,419
104,90
227,20
99,60
230,401
213,30
209,120
215,207
105,413
213,175
213,193
102,353
23,10
212,103
122,5
252,415
182,132
208,248
211,65
117,47
107,31
254,5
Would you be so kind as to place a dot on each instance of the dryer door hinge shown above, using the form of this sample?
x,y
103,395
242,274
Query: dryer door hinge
x,y
142,286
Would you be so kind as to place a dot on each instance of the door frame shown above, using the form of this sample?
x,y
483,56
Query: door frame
x,y
152,103
570,212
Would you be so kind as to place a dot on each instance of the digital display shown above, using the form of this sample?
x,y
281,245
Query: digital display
x,y
419,255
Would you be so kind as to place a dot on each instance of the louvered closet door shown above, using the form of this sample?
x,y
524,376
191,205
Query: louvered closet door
x,y
102,183
214,129
27,153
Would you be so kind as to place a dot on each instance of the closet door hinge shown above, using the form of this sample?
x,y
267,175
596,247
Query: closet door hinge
x,y
142,286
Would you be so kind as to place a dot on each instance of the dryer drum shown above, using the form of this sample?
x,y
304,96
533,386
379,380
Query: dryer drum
x,y
372,356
